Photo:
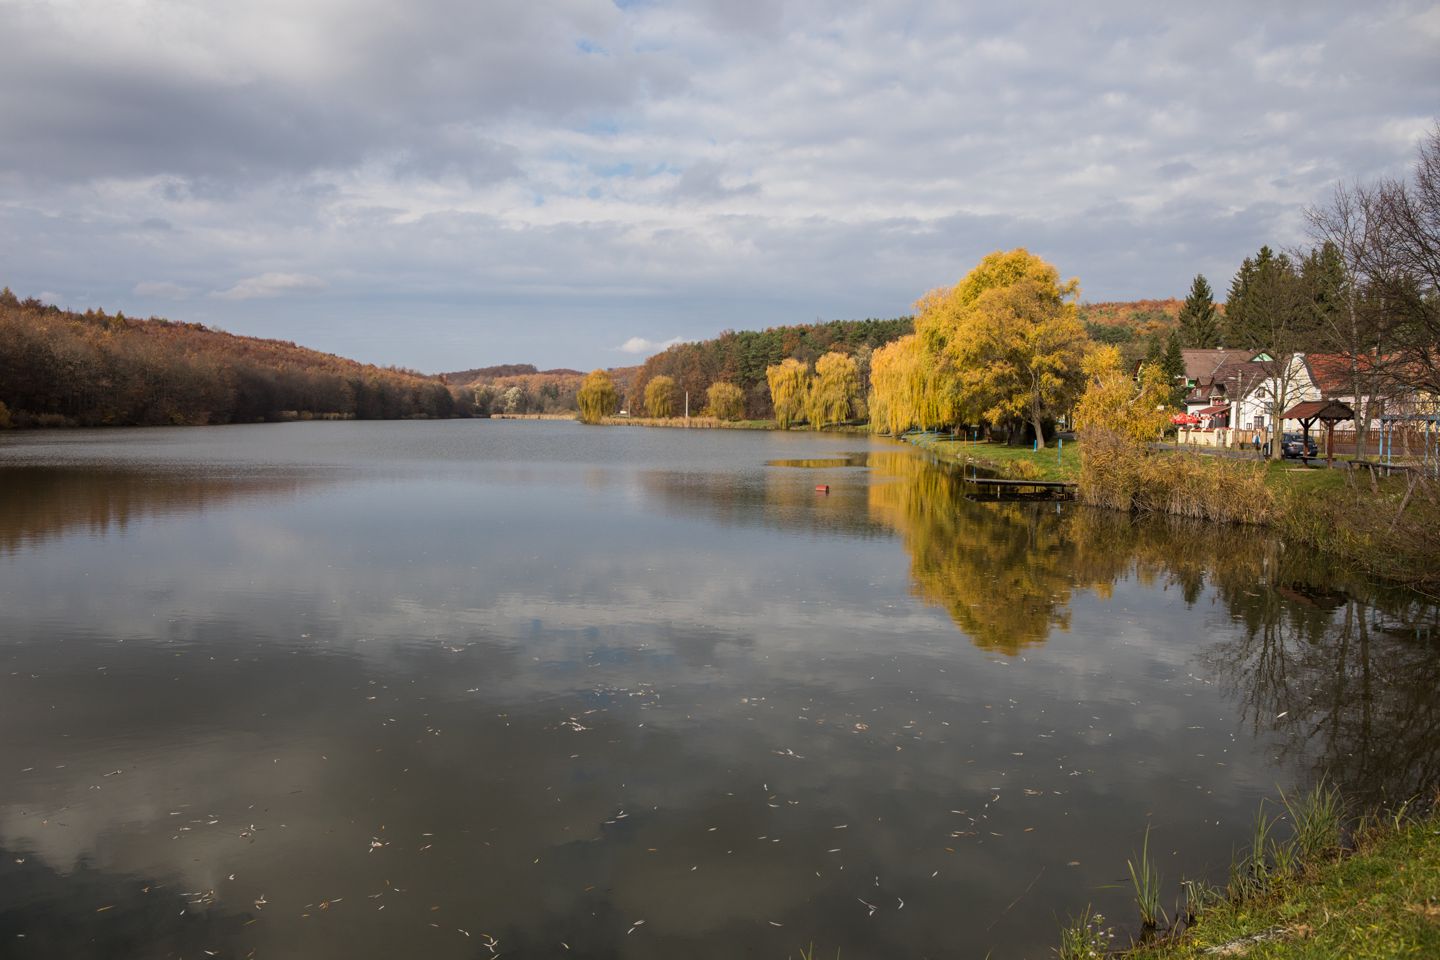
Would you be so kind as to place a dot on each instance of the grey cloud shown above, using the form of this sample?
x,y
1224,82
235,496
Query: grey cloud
x,y
464,167
370,78
705,180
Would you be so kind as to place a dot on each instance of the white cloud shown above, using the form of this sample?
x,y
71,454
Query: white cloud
x,y
162,290
584,169
270,285
640,346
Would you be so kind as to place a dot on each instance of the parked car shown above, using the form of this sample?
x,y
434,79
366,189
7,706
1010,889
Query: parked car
x,y
1295,446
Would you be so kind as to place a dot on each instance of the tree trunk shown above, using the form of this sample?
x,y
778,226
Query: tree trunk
x,y
1039,429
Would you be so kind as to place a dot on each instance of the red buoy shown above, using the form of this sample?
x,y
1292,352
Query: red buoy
x,y
822,488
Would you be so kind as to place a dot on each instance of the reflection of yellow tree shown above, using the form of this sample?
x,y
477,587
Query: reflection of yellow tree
x,y
1006,571
1003,571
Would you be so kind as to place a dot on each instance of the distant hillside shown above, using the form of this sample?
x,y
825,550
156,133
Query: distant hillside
x,y
521,388
58,367
741,359
490,374
1123,322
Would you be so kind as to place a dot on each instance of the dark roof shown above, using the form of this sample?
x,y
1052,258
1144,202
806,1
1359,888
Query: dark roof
x,y
1320,410
1201,365
1218,408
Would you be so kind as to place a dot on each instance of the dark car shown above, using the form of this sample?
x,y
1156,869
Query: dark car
x,y
1295,446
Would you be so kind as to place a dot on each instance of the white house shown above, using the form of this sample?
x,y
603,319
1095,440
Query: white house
x,y
1289,379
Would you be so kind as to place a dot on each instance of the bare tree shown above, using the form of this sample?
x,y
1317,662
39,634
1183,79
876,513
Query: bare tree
x,y
1352,326
1409,234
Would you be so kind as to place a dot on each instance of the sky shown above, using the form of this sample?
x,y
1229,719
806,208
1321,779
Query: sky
x,y
444,184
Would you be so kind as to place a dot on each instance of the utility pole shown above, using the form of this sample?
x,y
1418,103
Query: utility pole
x,y
687,408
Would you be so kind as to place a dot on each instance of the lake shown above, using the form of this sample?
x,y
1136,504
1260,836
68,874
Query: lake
x,y
468,688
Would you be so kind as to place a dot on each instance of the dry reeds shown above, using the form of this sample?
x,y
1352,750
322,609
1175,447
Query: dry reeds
x,y
1123,475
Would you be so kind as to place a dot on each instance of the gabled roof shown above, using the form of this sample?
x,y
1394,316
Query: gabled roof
x,y
1200,365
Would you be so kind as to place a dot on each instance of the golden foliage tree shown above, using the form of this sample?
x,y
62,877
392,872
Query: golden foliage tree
x,y
789,382
1002,345
906,389
834,390
660,396
725,401
1137,410
597,397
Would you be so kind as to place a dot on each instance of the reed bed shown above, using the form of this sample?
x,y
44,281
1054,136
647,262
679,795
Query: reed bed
x,y
1123,475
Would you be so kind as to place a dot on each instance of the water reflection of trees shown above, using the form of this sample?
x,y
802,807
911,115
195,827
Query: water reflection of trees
x,y
1349,679
1343,671
40,503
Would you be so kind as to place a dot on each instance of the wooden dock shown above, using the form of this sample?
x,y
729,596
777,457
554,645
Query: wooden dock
x,y
997,487
1042,484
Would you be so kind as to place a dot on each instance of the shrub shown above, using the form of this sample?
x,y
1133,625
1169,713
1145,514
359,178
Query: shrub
x,y
1023,470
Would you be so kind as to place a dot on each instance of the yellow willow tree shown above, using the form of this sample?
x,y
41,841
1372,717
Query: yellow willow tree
x,y
789,383
725,401
908,389
834,390
660,396
597,397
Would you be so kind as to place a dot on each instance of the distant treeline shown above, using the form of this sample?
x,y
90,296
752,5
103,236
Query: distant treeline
x,y
59,368
518,388
502,370
741,359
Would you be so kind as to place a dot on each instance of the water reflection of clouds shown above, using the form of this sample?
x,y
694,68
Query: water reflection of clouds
x,y
727,673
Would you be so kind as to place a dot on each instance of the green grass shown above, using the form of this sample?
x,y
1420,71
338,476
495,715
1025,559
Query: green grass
x,y
1050,463
1382,900
1291,475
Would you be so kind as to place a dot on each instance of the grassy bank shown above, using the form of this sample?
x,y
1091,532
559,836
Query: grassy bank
x,y
688,423
1378,897
713,423
1021,463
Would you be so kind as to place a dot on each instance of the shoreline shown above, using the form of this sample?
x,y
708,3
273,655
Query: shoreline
x,y
1369,888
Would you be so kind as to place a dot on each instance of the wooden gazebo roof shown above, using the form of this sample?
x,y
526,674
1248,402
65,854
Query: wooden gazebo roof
x,y
1329,411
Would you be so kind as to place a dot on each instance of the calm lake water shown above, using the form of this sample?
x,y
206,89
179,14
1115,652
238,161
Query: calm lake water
x,y
463,688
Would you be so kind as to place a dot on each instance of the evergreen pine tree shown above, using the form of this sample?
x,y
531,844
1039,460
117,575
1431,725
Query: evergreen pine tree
x,y
1199,321
1173,363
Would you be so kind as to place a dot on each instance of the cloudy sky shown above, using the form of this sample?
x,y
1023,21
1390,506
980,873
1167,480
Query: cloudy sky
x,y
452,183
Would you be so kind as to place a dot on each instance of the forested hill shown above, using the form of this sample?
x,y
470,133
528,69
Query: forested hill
x,y
1132,323
58,367
741,358
504,370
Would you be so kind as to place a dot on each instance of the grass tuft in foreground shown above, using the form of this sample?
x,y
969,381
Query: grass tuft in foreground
x,y
1307,897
